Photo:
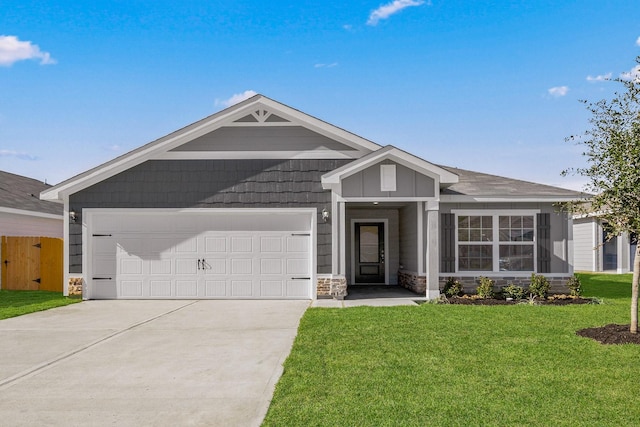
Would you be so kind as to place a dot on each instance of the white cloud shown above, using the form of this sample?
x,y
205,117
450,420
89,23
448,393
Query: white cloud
x,y
638,41
633,74
13,50
333,64
347,27
558,91
386,10
238,97
17,154
600,78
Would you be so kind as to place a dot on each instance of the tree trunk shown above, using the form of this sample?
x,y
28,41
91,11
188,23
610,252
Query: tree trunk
x,y
634,292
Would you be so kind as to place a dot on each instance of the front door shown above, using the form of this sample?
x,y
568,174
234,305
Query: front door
x,y
369,252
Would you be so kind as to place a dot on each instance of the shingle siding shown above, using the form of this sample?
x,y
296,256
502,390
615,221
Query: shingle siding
x,y
212,184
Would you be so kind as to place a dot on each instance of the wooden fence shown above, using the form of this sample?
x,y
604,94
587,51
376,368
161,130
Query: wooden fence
x,y
32,263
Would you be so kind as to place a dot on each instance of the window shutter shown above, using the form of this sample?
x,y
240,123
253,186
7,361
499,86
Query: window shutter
x,y
544,242
447,243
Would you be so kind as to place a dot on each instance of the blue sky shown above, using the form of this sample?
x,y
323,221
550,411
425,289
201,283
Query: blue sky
x,y
488,86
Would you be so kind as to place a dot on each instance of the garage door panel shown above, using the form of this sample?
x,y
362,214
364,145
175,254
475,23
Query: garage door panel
x,y
215,244
159,288
272,288
216,288
158,262
271,266
241,244
187,288
241,288
298,288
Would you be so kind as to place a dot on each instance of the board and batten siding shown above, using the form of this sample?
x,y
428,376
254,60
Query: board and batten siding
x,y
409,238
255,183
409,183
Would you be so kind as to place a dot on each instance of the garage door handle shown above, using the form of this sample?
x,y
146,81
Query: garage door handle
x,y
101,278
301,278
198,264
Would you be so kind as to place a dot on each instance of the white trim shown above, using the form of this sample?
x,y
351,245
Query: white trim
x,y
385,199
65,248
422,257
385,221
336,220
343,238
225,155
495,242
448,198
30,213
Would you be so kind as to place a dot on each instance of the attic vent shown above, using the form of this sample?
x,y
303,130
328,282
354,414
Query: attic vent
x,y
261,116
387,177
247,119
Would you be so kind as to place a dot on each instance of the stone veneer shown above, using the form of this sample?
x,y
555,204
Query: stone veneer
x,y
75,286
412,281
332,286
558,285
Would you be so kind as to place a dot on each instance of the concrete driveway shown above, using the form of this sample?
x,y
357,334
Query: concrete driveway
x,y
136,363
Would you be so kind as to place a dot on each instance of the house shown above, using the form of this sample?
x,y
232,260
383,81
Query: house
x,y
261,200
594,251
23,214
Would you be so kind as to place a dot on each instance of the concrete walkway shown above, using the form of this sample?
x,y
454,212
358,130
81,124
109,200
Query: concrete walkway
x,y
372,295
135,363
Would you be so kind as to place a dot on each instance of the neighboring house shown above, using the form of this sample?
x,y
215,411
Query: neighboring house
x,y
594,252
263,201
23,214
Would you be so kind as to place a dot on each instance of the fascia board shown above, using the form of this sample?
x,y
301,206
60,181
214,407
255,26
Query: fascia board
x,y
30,213
448,198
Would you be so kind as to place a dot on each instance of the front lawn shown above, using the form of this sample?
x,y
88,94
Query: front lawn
x,y
17,303
461,365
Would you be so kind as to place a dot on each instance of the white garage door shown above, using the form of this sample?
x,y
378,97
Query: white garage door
x,y
196,255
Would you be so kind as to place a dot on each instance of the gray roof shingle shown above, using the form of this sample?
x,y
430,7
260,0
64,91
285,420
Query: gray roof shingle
x,y
481,184
20,192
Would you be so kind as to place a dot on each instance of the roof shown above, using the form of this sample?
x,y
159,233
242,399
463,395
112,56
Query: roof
x,y
239,114
481,186
21,193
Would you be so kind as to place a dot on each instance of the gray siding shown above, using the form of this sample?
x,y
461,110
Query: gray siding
x,y
409,238
212,184
409,183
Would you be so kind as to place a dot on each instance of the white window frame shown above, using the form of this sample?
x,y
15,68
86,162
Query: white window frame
x,y
387,177
495,242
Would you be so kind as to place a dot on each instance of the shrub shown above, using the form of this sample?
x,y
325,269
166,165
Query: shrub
x,y
485,288
575,287
452,288
539,286
513,291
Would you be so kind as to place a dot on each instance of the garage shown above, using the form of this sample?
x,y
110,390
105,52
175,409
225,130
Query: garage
x,y
199,253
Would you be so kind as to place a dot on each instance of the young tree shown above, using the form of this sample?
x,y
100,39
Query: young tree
x,y
612,150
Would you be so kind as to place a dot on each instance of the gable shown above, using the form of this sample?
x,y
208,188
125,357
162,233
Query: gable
x,y
256,115
369,182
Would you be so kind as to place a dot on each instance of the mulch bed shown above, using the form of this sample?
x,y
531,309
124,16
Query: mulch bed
x,y
497,301
611,334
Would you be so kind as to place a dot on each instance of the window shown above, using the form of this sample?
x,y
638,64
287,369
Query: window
x,y
387,177
497,242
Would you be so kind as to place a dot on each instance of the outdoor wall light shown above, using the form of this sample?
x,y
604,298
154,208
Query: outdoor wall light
x,y
73,216
325,215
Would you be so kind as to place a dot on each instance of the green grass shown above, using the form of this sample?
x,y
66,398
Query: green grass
x,y
17,303
452,365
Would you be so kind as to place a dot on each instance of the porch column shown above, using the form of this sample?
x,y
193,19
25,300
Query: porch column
x,y
623,251
433,250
